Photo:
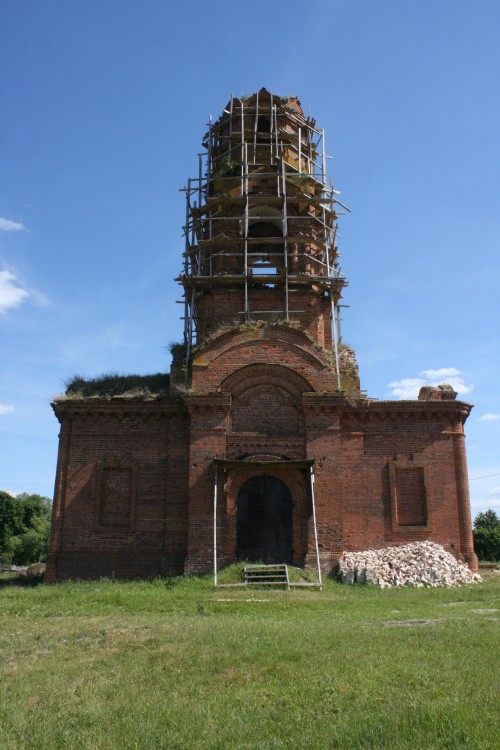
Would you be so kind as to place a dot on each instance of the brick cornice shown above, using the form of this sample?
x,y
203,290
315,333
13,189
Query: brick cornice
x,y
323,402
116,407
207,402
402,410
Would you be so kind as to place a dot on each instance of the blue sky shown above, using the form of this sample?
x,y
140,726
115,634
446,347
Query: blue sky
x,y
103,107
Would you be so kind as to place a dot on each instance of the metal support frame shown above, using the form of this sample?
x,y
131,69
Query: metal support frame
x,y
298,149
225,464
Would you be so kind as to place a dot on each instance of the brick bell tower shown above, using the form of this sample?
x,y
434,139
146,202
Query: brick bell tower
x,y
261,226
262,286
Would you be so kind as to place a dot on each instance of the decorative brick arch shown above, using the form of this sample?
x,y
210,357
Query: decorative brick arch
x,y
297,485
266,399
263,374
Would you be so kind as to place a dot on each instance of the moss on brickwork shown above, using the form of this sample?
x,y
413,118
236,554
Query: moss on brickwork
x,y
349,373
116,384
255,327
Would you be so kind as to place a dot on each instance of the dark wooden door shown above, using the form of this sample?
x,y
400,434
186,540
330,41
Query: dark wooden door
x,y
264,521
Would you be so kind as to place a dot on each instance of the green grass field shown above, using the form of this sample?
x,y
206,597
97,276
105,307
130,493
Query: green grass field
x,y
175,664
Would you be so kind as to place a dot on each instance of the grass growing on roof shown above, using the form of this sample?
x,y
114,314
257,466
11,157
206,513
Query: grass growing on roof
x,y
116,384
175,664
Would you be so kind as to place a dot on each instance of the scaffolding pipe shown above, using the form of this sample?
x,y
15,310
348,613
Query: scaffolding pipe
x,y
276,130
231,129
311,477
334,331
209,149
271,132
215,525
323,169
285,249
255,128
186,266
245,257
300,151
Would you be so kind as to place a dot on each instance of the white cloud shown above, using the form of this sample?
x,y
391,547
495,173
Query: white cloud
x,y
494,490
7,225
443,372
489,417
481,505
408,388
11,295
6,409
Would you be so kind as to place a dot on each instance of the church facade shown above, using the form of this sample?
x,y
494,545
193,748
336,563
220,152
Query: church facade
x,y
260,445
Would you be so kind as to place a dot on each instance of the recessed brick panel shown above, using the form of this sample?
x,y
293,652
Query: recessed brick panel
x,y
115,498
411,497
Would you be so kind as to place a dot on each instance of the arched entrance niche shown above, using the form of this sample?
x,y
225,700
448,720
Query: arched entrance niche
x,y
264,521
268,512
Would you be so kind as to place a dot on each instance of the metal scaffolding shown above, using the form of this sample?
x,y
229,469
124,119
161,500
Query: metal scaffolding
x,y
260,214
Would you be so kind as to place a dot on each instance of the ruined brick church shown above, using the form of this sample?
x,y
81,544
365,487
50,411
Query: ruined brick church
x,y
260,444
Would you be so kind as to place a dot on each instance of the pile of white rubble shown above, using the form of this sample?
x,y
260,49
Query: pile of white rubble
x,y
417,564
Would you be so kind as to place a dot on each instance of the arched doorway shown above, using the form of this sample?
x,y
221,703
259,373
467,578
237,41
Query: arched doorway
x,y
264,521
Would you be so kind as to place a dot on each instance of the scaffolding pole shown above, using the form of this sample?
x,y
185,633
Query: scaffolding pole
x,y
215,524
318,563
245,258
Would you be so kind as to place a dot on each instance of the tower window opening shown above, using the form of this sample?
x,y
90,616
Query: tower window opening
x,y
260,269
263,124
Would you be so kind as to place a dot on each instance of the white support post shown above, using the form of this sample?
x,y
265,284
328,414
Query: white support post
x,y
230,155
335,335
242,131
333,328
323,164
276,130
300,151
215,525
255,128
200,177
271,132
285,242
311,476
187,262
246,226
209,150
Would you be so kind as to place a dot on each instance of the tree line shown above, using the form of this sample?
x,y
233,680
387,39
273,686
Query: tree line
x,y
24,528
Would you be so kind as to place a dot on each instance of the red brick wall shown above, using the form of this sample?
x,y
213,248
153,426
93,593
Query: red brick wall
x,y
144,448
135,480
311,309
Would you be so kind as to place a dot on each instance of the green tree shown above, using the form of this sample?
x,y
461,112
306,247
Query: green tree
x,y
24,528
487,536
487,520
